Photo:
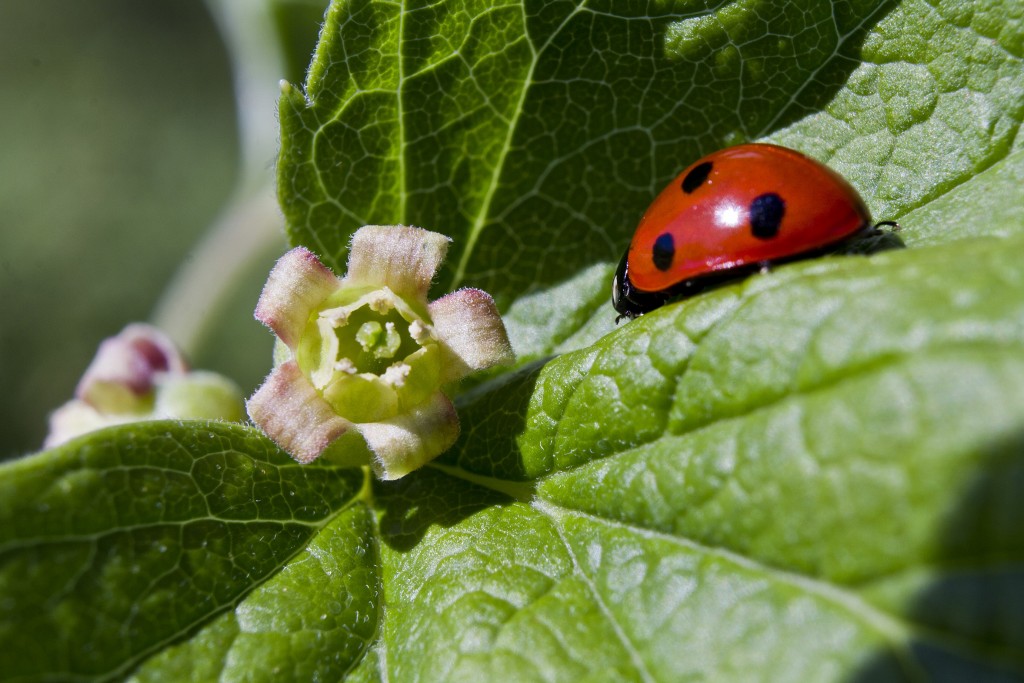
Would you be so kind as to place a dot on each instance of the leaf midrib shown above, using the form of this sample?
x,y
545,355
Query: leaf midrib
x,y
476,229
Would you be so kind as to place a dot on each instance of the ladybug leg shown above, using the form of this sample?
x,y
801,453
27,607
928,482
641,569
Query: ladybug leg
x,y
895,227
872,239
763,267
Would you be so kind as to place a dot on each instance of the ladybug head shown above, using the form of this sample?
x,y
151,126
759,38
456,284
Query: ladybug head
x,y
627,300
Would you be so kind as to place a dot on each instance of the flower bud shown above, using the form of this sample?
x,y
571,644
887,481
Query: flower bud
x,y
141,375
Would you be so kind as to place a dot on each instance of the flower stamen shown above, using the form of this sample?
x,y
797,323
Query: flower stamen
x,y
346,365
420,333
396,374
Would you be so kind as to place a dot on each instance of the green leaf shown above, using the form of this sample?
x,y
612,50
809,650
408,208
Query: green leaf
x,y
311,620
536,134
821,467
982,206
824,426
118,544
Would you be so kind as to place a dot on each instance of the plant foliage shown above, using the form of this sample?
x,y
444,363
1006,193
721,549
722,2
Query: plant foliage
x,y
813,474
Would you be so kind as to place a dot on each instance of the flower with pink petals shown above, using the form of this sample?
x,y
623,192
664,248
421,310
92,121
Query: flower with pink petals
x,y
140,375
367,353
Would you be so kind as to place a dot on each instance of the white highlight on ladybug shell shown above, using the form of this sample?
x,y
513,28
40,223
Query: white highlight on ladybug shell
x,y
729,216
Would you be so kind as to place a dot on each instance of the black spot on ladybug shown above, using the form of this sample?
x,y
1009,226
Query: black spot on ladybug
x,y
696,177
766,212
664,251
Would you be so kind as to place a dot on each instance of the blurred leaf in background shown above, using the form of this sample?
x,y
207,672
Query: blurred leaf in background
x,y
119,145
121,148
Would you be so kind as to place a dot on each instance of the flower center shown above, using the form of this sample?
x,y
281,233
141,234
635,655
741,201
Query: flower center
x,y
382,342
371,356
365,340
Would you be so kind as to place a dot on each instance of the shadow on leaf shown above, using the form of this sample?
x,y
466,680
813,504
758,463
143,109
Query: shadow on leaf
x,y
410,506
492,416
965,610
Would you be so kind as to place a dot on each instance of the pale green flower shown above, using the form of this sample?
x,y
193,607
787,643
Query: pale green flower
x,y
368,354
141,375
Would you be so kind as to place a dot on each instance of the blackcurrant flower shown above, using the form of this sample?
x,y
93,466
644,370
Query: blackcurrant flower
x,y
368,354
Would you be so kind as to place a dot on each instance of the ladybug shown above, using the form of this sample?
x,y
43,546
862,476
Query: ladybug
x,y
731,213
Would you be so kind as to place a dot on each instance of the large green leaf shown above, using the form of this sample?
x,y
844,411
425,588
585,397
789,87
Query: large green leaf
x,y
117,545
810,477
813,474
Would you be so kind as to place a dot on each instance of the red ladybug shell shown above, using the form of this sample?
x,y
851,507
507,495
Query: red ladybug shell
x,y
744,205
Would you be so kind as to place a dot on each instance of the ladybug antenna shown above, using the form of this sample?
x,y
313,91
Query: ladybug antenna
x,y
888,224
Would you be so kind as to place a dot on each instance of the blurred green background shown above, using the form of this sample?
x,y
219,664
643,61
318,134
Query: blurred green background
x,y
120,148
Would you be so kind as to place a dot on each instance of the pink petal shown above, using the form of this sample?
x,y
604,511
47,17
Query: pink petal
x,y
298,283
409,441
291,412
130,360
400,257
470,330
